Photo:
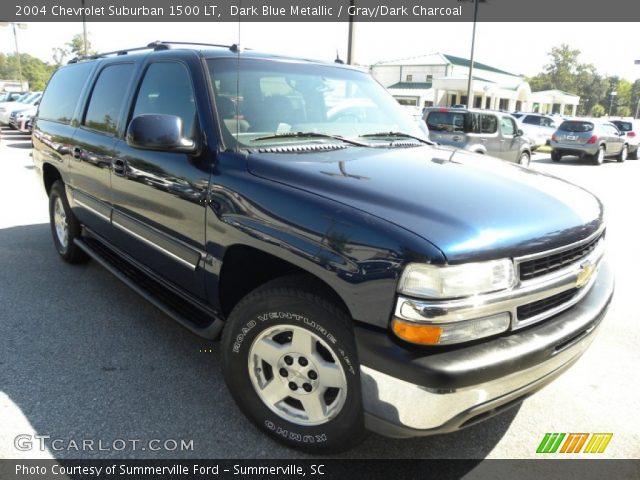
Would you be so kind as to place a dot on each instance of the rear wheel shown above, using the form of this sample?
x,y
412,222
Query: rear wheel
x,y
290,362
634,155
598,157
65,227
555,156
624,153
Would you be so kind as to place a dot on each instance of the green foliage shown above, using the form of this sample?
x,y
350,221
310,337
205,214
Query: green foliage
x,y
597,110
34,70
565,72
71,49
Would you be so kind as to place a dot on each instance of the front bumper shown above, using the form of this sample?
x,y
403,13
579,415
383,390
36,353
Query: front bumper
x,y
409,391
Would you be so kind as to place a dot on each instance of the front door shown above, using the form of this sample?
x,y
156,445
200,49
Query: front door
x,y
159,197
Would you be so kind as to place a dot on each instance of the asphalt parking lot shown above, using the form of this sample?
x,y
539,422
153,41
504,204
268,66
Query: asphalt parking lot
x,y
83,357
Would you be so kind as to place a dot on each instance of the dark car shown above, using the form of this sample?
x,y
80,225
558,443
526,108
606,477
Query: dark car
x,y
593,140
358,276
480,131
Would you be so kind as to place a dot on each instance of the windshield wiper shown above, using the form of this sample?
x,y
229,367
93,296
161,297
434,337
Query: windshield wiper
x,y
396,134
310,135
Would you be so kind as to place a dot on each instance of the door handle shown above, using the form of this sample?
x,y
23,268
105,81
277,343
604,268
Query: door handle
x,y
77,151
502,141
119,167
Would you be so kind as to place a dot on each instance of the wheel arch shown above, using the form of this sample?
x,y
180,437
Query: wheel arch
x,y
245,268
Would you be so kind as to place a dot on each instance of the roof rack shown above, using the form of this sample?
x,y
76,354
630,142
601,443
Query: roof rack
x,y
155,46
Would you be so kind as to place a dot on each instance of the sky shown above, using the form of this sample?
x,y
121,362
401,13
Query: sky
x,y
520,48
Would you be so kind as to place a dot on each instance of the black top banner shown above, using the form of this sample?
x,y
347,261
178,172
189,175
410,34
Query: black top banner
x,y
319,10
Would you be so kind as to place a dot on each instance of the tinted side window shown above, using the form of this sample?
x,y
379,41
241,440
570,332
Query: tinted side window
x,y
532,120
488,124
63,91
166,89
108,97
507,126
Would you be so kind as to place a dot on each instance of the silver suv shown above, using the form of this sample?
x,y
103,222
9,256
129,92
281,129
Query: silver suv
x,y
589,139
481,131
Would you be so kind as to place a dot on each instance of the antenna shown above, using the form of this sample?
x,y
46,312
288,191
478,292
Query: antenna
x,y
338,59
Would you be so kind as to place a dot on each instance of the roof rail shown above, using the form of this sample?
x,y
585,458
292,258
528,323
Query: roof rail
x,y
156,46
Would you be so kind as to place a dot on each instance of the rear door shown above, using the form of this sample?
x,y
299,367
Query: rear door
x,y
489,135
159,197
93,145
510,141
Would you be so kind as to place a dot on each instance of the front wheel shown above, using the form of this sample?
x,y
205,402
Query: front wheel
x,y
555,156
290,362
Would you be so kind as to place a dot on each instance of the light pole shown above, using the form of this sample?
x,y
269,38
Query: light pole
x,y
21,26
473,46
612,94
352,34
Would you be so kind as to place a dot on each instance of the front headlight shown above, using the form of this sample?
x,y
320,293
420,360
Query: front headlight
x,y
454,281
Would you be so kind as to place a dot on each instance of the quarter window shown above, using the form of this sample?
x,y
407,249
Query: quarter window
x,y
166,89
61,97
108,97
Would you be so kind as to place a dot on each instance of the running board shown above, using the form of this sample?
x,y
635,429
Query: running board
x,y
200,320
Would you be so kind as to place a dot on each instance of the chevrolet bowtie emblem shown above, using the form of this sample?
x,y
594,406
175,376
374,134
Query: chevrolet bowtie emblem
x,y
585,273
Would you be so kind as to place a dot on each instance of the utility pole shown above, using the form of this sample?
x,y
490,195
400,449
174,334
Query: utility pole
x,y
21,26
612,94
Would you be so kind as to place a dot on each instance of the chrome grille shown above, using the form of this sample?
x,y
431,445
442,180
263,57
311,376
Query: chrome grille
x,y
539,266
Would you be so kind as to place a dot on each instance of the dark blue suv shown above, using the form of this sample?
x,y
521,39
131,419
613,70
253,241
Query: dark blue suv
x,y
358,276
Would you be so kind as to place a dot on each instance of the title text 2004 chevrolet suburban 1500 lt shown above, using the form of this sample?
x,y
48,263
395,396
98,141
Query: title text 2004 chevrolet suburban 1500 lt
x,y
359,276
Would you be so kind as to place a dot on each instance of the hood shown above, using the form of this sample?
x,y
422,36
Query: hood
x,y
471,207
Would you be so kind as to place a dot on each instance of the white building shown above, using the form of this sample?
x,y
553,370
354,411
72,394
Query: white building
x,y
442,80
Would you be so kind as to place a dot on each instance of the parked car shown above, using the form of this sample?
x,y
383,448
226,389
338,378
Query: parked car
x,y
480,131
19,118
537,127
10,96
26,101
631,128
594,140
359,276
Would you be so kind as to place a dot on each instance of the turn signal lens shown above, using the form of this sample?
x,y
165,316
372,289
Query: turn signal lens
x,y
421,334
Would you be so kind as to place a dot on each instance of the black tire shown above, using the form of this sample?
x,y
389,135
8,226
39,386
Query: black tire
x,y
634,155
598,157
69,251
624,153
525,159
292,302
555,156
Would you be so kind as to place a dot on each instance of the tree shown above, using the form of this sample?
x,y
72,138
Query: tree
x,y
597,110
34,70
563,67
73,48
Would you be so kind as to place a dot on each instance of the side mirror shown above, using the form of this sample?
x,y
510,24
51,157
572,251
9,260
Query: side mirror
x,y
519,133
154,131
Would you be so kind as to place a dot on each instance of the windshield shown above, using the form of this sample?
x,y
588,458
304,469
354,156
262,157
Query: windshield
x,y
270,98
